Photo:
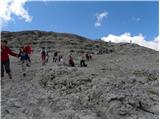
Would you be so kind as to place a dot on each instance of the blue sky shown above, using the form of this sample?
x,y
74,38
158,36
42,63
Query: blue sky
x,y
80,18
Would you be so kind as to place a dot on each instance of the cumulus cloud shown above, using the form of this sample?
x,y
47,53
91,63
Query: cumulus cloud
x,y
99,18
139,39
13,7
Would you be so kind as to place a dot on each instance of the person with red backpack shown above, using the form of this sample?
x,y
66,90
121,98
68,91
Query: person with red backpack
x,y
24,60
71,62
43,55
5,62
28,49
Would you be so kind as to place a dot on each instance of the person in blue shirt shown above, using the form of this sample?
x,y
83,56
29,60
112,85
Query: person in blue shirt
x,y
24,60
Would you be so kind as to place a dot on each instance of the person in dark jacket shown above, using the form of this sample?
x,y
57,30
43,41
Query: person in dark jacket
x,y
43,55
55,56
87,56
82,62
5,63
71,62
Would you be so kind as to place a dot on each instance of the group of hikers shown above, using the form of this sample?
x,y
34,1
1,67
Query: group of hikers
x,y
25,54
60,58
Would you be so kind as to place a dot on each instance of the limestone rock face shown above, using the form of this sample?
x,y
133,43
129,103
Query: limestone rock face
x,y
120,82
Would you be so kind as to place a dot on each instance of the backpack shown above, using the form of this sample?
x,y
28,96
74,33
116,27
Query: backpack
x,y
55,54
43,53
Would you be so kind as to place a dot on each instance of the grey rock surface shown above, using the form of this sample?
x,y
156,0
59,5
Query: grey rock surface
x,y
122,84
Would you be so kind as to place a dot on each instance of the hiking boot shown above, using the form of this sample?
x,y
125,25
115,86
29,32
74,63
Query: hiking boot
x,y
10,75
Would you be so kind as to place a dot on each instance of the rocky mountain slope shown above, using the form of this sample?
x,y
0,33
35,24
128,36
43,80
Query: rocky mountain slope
x,y
121,81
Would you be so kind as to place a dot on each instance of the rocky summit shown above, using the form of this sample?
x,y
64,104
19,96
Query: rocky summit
x,y
121,81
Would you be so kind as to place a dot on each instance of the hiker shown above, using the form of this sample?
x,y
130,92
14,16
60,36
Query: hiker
x,y
131,42
28,49
61,60
90,56
82,62
5,62
87,56
24,60
55,56
22,50
47,56
43,55
71,62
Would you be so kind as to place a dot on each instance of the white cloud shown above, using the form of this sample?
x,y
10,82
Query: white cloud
x,y
13,7
99,18
137,19
139,39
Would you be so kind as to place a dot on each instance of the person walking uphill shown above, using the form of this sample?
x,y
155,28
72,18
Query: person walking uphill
x,y
28,50
55,56
24,59
82,62
71,62
5,63
43,56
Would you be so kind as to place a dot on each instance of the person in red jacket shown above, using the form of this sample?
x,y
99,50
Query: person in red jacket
x,y
28,49
5,63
